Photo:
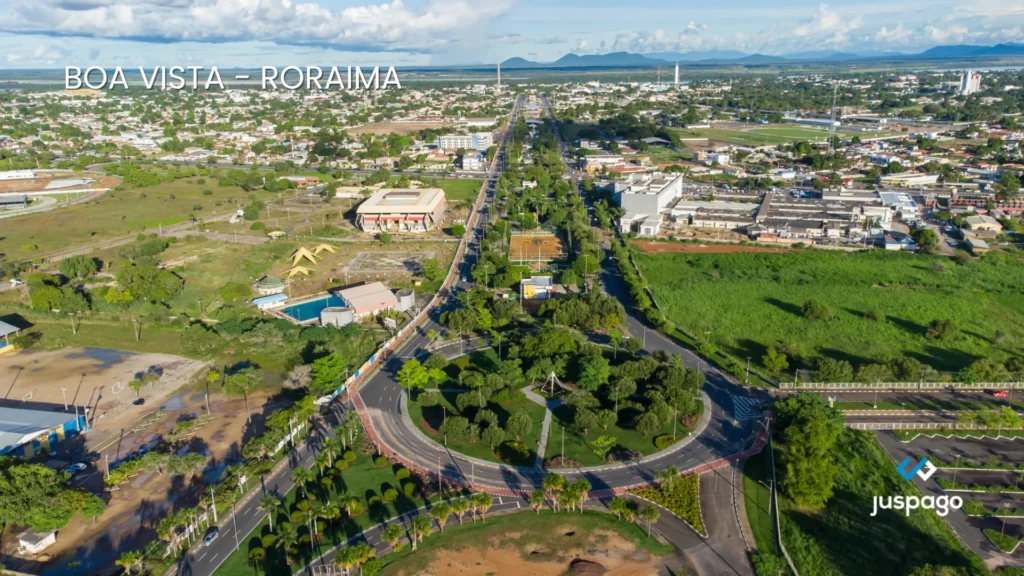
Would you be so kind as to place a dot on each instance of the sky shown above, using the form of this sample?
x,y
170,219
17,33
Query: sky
x,y
251,33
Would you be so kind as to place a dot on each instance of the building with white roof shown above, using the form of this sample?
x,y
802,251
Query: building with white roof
x,y
402,210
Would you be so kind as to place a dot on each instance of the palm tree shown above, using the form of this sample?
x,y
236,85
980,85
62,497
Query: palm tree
x,y
269,504
302,476
581,488
331,447
310,516
287,539
483,503
460,506
618,506
419,528
629,513
318,511
553,484
330,512
391,534
347,558
322,460
667,478
649,514
537,499
440,513
129,561
257,555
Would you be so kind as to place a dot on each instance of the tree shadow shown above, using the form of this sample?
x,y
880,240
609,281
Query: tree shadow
x,y
785,306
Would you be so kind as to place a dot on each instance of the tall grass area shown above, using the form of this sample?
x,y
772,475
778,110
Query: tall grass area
x,y
746,302
455,189
844,540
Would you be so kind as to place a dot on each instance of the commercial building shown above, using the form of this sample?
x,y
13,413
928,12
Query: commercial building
x,y
17,175
644,197
902,203
970,82
24,432
472,161
909,179
595,162
402,210
11,201
368,299
478,141
480,122
983,222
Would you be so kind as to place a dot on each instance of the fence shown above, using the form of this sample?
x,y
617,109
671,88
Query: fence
x,y
922,426
775,501
922,386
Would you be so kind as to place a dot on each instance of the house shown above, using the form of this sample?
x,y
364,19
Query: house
x,y
897,241
983,222
27,431
31,542
977,246
536,288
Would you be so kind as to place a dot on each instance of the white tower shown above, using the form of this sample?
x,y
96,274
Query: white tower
x,y
499,77
677,74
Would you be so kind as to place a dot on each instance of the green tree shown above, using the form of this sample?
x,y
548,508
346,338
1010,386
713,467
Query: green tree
x,y
593,372
602,445
927,240
519,425
816,310
650,515
809,430
413,375
775,362
648,424
78,267
328,373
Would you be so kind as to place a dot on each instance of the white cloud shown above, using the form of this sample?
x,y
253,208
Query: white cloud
x,y
12,58
386,26
832,28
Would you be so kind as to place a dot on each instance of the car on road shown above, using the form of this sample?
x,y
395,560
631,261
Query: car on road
x,y
1000,393
77,467
211,535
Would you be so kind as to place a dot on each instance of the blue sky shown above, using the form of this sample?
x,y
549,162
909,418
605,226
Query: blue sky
x,y
57,33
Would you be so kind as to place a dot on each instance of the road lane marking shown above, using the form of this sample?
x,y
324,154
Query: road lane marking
x,y
200,559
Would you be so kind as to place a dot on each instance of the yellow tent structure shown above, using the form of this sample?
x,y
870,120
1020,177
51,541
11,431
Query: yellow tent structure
x,y
301,253
299,270
321,248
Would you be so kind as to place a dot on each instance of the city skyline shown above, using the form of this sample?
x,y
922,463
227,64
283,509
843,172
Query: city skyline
x,y
57,33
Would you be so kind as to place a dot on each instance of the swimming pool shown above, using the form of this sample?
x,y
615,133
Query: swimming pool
x,y
311,309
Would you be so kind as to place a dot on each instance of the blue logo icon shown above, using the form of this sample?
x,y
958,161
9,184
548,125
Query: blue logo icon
x,y
924,469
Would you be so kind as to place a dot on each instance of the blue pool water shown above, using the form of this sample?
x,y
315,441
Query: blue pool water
x,y
312,308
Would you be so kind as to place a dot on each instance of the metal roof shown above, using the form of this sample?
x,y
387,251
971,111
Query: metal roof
x,y
6,328
18,426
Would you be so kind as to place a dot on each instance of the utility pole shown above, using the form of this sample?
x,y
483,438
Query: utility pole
x,y
213,500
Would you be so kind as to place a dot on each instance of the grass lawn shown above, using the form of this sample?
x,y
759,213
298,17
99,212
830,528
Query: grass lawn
x,y
361,481
757,475
749,301
117,213
430,419
56,333
541,537
843,539
455,189
577,445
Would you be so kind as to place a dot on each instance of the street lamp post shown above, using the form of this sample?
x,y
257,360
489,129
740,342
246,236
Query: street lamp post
x,y
444,419
63,392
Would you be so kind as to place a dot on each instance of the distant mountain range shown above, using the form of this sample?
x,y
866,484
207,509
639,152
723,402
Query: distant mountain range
x,y
627,59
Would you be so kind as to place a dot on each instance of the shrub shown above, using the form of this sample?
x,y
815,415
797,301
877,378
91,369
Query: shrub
x,y
681,499
512,451
664,441
815,310
402,473
258,226
409,488
374,501
340,464
349,456
380,462
356,509
390,495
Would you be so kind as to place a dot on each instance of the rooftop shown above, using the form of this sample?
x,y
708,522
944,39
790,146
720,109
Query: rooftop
x,y
389,200
18,426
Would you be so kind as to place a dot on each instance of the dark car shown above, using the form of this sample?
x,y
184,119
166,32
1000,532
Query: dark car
x,y
139,402
211,535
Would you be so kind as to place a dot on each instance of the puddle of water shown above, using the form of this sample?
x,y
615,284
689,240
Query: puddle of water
x,y
104,356
212,474
175,403
197,397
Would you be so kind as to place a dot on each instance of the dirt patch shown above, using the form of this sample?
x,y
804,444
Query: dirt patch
x,y
672,247
27,185
615,554
541,247
402,128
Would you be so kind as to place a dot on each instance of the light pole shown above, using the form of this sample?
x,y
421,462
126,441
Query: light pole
x,y
563,445
63,392
439,475
675,418
747,379
444,419
213,500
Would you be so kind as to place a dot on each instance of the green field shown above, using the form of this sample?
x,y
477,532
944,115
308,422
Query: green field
x,y
754,137
456,189
746,302
757,499
543,537
843,539
116,213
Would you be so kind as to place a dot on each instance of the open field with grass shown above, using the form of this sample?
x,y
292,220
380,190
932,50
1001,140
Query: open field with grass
x,y
761,135
844,540
757,476
577,444
746,302
530,543
116,213
455,189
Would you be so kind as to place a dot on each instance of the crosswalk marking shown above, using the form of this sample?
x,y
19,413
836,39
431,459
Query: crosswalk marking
x,y
745,408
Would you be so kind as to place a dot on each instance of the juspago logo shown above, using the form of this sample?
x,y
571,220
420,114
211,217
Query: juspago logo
x,y
923,469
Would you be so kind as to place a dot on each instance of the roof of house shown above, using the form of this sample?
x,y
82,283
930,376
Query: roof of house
x,y
368,298
402,201
13,198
